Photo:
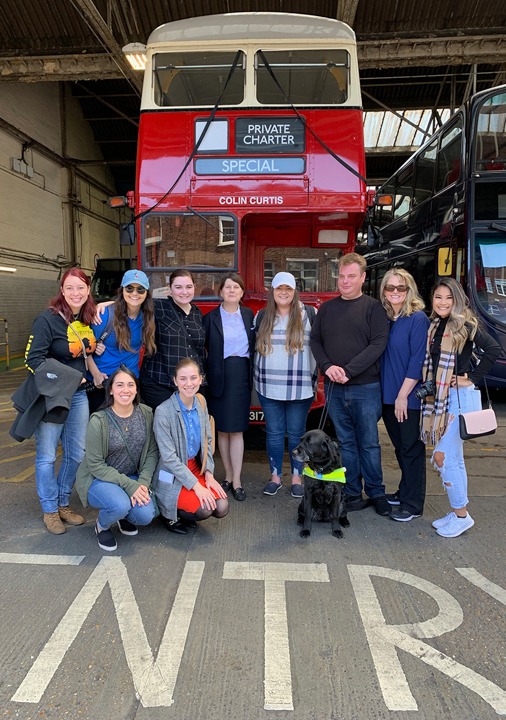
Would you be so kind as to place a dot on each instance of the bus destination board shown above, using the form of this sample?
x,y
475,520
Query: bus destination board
x,y
250,166
269,135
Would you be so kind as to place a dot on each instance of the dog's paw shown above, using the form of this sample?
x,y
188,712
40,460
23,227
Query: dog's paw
x,y
344,522
305,534
337,533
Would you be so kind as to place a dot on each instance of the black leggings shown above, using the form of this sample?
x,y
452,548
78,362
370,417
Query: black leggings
x,y
203,513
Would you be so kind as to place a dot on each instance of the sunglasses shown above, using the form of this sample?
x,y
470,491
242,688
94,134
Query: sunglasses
x,y
130,289
399,288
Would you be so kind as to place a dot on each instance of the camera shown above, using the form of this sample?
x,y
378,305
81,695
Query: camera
x,y
427,388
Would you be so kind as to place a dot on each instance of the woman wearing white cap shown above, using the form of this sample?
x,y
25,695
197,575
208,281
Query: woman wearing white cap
x,y
132,327
285,375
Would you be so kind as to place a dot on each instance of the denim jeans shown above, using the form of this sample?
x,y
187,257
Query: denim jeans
x,y
355,411
55,492
282,416
453,472
115,505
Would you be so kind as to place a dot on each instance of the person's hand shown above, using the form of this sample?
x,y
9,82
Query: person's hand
x,y
100,311
336,374
205,496
140,496
100,348
213,484
98,379
463,381
401,408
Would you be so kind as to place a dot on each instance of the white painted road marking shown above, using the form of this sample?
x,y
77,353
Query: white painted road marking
x,y
26,559
153,681
384,639
496,591
278,677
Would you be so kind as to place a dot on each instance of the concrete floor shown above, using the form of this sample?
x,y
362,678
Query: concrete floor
x,y
241,618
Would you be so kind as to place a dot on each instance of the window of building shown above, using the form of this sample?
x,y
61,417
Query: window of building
x,y
314,269
226,230
269,272
305,273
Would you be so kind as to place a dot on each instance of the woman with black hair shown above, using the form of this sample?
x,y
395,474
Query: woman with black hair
x,y
121,457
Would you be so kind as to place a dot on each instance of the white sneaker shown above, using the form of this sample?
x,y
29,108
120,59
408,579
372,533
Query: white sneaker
x,y
442,521
456,526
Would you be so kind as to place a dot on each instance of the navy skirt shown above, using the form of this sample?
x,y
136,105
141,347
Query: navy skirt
x,y
231,409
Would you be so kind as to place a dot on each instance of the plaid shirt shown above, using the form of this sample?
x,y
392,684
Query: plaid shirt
x,y
172,343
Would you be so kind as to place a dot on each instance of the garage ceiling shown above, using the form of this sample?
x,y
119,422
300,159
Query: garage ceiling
x,y
412,55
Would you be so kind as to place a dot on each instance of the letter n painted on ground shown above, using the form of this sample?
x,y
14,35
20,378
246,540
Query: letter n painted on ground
x,y
154,681
384,639
278,678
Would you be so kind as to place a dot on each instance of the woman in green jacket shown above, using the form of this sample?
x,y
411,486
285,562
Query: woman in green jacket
x,y
120,459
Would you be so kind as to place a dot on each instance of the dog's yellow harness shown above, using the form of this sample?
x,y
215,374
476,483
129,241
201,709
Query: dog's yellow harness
x,y
334,476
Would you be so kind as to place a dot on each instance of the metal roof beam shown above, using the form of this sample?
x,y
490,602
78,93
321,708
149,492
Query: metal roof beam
x,y
107,104
347,10
32,68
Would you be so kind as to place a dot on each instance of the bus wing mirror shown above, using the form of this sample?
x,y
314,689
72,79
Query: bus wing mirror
x,y
384,200
127,234
445,261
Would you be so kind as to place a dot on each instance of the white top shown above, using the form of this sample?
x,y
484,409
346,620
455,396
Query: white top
x,y
235,339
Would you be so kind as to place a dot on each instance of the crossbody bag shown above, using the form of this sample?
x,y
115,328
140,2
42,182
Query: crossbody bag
x,y
479,422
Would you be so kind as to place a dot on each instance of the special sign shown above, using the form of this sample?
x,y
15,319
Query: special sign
x,y
269,135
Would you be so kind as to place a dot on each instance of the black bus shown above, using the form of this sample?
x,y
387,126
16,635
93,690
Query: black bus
x,y
444,213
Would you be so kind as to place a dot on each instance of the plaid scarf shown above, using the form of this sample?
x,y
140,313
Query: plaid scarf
x,y
435,408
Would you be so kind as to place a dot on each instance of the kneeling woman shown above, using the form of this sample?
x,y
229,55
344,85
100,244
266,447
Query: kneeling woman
x,y
185,489
120,459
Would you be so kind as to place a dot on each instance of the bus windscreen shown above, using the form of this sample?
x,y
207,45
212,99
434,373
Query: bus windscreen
x,y
491,134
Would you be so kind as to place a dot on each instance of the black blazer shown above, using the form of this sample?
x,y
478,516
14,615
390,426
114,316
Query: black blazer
x,y
215,345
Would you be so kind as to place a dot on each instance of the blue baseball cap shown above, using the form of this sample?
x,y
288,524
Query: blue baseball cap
x,y
135,276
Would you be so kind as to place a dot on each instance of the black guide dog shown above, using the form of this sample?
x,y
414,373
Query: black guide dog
x,y
323,500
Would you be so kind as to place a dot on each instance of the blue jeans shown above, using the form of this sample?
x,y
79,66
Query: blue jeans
x,y
355,411
282,416
115,505
55,492
453,472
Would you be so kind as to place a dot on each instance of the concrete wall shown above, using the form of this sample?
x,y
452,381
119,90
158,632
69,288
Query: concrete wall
x,y
38,231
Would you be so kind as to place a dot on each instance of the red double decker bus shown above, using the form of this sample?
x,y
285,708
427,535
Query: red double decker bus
x,y
250,153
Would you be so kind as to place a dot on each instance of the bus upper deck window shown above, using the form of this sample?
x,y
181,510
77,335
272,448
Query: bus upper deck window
x,y
491,134
449,159
308,77
424,174
196,79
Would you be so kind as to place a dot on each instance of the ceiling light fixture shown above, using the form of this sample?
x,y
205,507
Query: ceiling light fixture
x,y
4,268
136,55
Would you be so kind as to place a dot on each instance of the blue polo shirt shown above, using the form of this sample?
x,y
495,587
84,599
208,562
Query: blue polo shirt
x,y
112,357
403,357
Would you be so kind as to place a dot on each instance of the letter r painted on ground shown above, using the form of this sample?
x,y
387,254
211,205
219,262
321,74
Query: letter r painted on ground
x,y
385,639
154,680
278,678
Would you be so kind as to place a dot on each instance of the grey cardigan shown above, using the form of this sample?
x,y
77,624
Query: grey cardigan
x,y
170,435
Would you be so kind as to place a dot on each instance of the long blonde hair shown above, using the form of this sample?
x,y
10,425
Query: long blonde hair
x,y
412,302
294,328
460,316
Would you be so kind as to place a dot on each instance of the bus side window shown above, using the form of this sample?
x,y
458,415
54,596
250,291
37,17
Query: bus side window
x,y
386,210
424,175
403,192
449,157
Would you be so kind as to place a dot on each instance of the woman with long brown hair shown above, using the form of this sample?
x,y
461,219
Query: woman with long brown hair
x,y
285,375
133,326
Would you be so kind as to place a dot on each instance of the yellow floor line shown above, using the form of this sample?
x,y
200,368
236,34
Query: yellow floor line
x,y
24,474
18,457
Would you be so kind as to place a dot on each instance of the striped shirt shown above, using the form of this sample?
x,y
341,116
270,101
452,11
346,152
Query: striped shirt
x,y
282,376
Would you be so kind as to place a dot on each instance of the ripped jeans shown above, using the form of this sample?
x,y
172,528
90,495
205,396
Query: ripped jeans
x,y
453,471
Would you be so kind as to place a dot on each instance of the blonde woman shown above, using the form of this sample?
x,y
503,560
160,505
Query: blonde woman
x,y
452,333
401,373
285,375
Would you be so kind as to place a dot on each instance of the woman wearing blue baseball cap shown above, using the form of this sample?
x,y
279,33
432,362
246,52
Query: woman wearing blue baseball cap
x,y
125,326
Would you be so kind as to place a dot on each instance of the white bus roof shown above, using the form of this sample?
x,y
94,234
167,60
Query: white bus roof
x,y
251,26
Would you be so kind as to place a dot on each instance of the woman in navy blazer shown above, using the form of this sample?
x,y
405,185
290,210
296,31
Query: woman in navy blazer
x,y
230,344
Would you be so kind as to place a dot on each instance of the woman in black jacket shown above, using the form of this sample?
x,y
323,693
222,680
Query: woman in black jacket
x,y
230,343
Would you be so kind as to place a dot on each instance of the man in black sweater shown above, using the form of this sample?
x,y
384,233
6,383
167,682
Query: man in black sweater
x,y
348,338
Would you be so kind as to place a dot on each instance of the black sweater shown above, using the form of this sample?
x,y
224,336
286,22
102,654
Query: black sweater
x,y
52,338
353,335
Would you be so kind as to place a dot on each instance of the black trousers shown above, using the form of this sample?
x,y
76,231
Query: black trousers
x,y
152,393
410,453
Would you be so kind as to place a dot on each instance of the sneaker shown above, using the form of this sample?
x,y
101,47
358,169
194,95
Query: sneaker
x,y
297,491
70,517
442,521
272,487
382,506
126,527
403,515
106,539
393,499
356,502
456,526
53,523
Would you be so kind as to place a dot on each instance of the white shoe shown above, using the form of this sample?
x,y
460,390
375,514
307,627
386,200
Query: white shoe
x,y
442,521
456,526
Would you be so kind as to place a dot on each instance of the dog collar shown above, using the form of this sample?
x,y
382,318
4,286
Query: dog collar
x,y
334,476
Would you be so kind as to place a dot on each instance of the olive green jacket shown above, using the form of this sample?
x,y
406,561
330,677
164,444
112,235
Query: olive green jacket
x,y
97,449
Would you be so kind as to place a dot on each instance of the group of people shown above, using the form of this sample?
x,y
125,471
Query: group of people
x,y
159,367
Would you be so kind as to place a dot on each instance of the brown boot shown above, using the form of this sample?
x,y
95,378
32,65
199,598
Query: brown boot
x,y
70,516
53,523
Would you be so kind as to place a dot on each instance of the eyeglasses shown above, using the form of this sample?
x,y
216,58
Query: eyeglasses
x,y
130,289
399,288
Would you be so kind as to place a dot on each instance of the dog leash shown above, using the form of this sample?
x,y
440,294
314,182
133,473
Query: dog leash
x,y
325,412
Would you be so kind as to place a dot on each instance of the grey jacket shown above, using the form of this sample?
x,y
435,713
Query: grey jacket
x,y
170,435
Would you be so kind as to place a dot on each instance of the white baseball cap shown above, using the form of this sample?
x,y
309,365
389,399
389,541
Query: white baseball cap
x,y
283,278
